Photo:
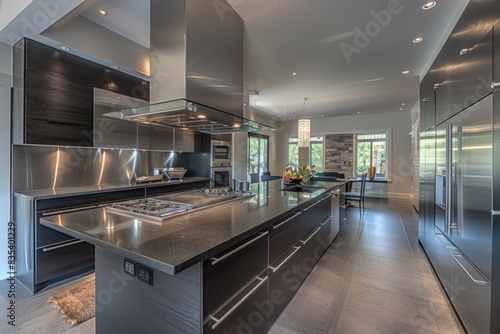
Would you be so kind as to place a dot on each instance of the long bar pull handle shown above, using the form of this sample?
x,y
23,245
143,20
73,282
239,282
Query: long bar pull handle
x,y
241,301
296,249
444,241
66,244
225,256
459,258
495,213
310,206
326,220
495,85
286,220
312,235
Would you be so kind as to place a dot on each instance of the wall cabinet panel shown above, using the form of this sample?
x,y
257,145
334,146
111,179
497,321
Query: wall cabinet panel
x,y
53,97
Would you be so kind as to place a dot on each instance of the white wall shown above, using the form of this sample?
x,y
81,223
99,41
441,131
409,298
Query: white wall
x,y
398,185
9,9
5,194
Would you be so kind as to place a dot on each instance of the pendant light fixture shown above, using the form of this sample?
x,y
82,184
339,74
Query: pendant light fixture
x,y
304,129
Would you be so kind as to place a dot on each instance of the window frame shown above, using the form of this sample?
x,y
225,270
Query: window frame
x,y
323,136
388,150
259,137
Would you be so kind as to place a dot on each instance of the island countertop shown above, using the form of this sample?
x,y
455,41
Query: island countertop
x,y
187,238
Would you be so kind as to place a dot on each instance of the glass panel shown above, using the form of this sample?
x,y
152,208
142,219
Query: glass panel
x,y
317,156
293,153
264,155
363,156
253,154
378,158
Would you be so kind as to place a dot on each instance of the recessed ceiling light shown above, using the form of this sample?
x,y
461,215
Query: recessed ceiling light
x,y
114,66
102,12
401,109
418,40
294,74
64,48
405,72
359,112
429,5
402,104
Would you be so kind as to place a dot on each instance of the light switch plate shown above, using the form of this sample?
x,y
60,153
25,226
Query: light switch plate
x,y
129,267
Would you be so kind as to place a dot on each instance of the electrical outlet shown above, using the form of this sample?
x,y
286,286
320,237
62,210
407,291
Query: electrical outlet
x,y
129,267
145,274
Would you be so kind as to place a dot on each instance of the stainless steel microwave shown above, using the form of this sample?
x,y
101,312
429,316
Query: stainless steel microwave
x,y
221,151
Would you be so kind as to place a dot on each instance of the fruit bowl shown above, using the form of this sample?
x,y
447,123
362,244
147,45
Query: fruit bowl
x,y
174,173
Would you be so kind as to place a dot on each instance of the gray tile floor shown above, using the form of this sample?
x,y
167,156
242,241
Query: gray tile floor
x,y
373,279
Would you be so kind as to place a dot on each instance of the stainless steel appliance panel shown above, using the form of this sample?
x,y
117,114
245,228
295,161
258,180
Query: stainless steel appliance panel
x,y
471,296
221,153
24,216
469,81
335,213
472,191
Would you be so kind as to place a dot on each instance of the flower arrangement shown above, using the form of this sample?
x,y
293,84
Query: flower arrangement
x,y
300,175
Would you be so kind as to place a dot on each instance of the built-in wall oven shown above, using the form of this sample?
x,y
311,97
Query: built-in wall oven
x,y
221,152
221,168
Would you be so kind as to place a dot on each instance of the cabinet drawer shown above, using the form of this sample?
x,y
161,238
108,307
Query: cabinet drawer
x,y
62,259
45,236
324,236
229,271
245,313
310,251
283,281
442,260
310,218
471,295
283,235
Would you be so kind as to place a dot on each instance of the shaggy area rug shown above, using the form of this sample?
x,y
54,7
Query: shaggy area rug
x,y
77,304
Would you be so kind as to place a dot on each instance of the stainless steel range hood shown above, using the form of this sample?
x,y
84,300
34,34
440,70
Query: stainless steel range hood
x,y
188,115
196,68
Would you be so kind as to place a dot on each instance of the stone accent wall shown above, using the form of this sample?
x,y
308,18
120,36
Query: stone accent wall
x,y
339,153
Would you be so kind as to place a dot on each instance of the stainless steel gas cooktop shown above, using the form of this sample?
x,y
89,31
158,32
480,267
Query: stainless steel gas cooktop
x,y
151,208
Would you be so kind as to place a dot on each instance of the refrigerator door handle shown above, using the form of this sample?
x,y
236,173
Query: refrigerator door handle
x,y
449,179
495,213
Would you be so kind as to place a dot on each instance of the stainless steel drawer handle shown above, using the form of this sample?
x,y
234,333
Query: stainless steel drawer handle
x,y
296,249
225,256
444,241
66,244
242,300
286,220
310,206
326,220
462,261
495,85
463,52
312,235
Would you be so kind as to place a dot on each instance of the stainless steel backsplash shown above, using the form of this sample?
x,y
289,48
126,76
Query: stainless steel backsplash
x,y
45,167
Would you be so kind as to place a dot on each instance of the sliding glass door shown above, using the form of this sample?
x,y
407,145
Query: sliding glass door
x,y
258,153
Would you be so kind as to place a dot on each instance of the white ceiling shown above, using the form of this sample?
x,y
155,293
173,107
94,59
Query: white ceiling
x,y
306,37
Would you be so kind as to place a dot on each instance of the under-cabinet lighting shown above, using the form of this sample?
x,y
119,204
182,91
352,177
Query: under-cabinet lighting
x,y
102,12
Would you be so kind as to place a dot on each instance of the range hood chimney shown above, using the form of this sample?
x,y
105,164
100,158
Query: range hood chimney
x,y
196,69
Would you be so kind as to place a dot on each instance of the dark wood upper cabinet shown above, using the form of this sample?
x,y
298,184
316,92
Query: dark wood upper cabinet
x,y
56,102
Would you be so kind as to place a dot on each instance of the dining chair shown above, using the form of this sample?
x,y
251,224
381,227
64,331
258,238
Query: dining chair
x,y
358,196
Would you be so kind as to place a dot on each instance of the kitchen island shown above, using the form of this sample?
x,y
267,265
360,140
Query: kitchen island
x,y
225,268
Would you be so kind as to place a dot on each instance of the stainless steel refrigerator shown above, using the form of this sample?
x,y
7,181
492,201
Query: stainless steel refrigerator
x,y
461,252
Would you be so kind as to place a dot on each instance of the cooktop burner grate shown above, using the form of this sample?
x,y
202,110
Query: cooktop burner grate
x,y
154,208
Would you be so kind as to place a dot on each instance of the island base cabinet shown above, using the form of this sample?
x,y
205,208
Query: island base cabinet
x,y
247,312
125,304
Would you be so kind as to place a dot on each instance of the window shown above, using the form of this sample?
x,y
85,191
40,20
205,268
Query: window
x,y
316,152
258,153
371,150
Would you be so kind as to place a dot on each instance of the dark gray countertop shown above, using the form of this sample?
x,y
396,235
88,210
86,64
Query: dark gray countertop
x,y
84,190
188,238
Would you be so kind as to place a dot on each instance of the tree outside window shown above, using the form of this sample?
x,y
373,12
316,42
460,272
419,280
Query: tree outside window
x,y
316,152
372,151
